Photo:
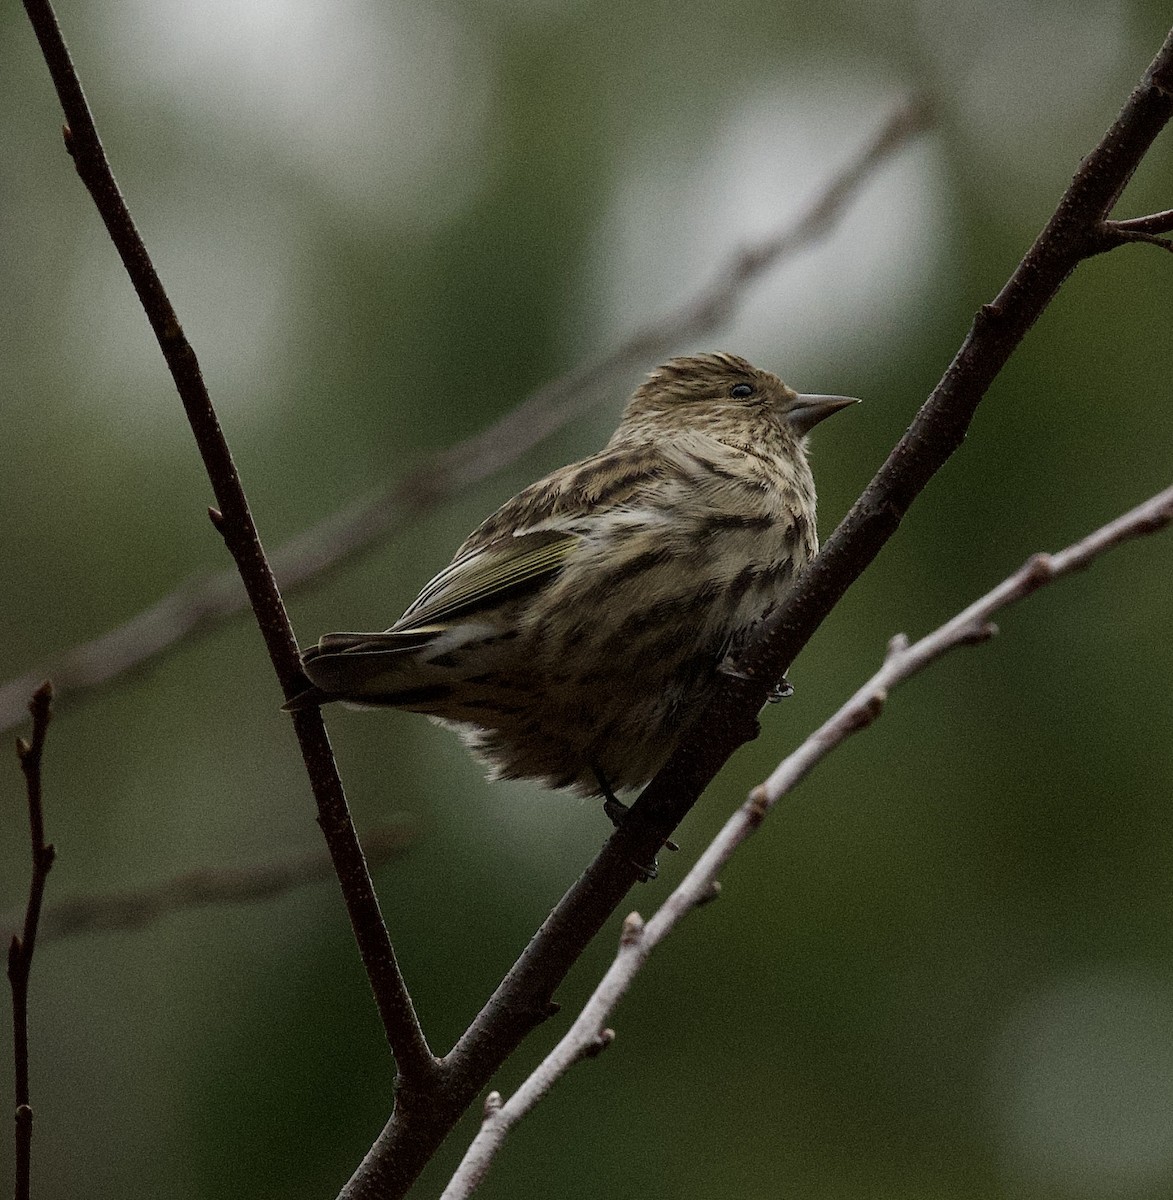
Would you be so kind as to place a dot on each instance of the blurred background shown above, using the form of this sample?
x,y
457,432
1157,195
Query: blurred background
x,y
945,967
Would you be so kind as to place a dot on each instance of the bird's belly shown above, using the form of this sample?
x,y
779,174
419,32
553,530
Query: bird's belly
x,y
567,691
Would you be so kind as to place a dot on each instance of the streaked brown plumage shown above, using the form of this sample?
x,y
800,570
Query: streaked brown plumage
x,y
577,631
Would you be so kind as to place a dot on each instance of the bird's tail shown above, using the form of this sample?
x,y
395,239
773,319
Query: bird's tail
x,y
306,699
368,668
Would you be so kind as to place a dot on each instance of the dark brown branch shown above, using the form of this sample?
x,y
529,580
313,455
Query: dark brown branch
x,y
524,997
1150,239
134,908
23,944
1120,233
203,603
1161,222
407,1041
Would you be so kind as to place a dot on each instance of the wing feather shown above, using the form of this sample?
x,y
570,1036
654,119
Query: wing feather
x,y
509,567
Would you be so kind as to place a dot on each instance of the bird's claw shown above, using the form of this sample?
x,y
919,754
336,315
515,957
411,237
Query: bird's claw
x,y
617,813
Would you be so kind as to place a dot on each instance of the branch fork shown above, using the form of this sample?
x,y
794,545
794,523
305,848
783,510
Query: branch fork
x,y
1137,229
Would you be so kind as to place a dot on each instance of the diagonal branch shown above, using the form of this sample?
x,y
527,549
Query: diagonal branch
x,y
236,525
135,908
587,1036
1073,233
968,627
23,944
525,995
201,604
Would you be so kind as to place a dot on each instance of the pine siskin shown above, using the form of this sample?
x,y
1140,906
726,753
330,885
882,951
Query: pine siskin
x,y
577,632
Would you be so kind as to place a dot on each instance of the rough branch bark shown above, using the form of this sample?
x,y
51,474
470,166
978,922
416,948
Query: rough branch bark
x,y
1076,231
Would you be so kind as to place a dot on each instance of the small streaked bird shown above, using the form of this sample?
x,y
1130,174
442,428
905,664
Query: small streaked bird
x,y
578,631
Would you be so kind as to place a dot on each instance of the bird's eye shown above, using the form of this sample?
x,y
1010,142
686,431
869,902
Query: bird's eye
x,y
741,391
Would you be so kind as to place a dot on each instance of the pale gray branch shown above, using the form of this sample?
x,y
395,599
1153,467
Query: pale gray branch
x,y
588,1035
134,908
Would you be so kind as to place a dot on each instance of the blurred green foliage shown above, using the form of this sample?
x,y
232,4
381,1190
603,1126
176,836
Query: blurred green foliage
x,y
929,974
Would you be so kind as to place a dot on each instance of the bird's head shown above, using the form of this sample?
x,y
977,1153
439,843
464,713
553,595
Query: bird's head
x,y
719,394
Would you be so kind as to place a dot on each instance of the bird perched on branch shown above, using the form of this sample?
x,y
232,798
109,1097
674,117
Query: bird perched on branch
x,y
578,631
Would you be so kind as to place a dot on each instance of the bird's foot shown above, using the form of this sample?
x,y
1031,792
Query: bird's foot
x,y
782,690
618,812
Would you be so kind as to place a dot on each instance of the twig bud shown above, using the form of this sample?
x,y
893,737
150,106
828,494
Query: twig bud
x,y
897,644
868,711
597,1045
757,806
1039,569
978,632
633,928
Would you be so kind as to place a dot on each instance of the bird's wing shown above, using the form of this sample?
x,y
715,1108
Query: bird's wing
x,y
519,548
613,478
508,567
515,550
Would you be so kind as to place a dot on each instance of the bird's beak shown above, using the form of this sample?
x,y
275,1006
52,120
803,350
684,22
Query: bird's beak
x,y
807,411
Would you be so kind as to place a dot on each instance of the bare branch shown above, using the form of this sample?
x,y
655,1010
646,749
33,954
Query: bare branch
x,y
525,995
587,1036
135,908
969,626
24,943
1150,238
1161,222
239,531
203,603
1121,233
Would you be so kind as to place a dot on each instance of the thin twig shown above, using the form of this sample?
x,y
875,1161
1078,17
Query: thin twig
x,y
235,523
23,944
135,908
968,627
525,995
1159,222
587,1035
203,603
